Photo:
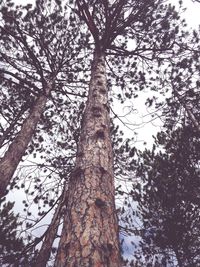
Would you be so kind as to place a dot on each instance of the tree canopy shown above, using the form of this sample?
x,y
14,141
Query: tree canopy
x,y
68,70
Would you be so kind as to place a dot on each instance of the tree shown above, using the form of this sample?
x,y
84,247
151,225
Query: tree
x,y
90,229
43,255
183,78
169,197
179,83
34,61
11,245
169,173
90,232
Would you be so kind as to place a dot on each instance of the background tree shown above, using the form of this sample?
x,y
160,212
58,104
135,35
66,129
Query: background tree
x,y
169,197
11,245
34,46
169,178
179,84
33,63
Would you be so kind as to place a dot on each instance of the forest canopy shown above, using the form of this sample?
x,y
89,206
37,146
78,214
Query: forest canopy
x,y
75,80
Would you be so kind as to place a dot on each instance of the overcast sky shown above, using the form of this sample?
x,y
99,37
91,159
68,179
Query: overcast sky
x,y
140,117
144,133
192,13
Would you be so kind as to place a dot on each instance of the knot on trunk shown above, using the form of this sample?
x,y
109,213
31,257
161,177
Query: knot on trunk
x,y
77,172
96,110
100,203
102,90
102,170
100,134
99,83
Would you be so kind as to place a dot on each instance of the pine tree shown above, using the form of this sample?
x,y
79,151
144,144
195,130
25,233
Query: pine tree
x,y
90,232
169,199
11,245
122,37
35,52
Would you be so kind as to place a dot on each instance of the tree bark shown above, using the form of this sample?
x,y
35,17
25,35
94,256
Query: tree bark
x,y
50,234
13,155
90,232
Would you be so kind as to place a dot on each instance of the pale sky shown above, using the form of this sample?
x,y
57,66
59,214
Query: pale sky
x,y
192,16
145,132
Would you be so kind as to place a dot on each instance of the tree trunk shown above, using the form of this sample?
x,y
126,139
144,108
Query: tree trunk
x,y
50,234
13,155
90,232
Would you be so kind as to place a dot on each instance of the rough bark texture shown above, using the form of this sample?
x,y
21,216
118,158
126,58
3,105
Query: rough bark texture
x,y
13,155
50,234
90,231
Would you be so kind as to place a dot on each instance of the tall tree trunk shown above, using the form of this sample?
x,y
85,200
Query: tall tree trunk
x,y
50,234
13,155
90,232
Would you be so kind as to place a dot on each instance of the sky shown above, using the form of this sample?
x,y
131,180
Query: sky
x,y
144,130
192,14
145,127
141,118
